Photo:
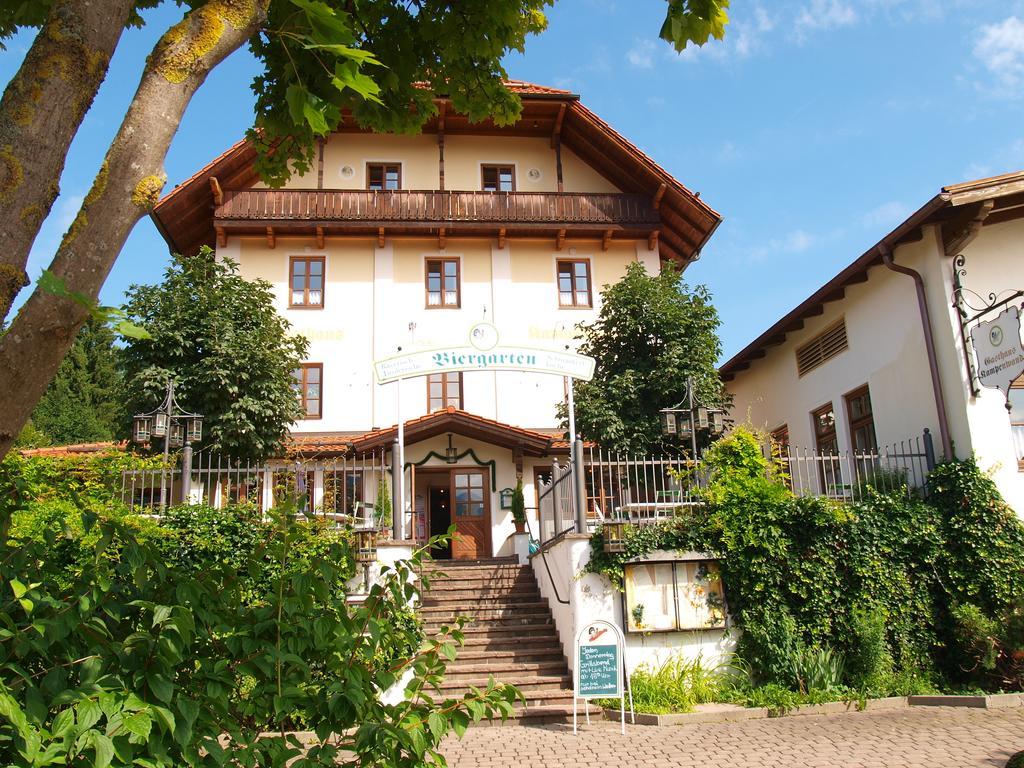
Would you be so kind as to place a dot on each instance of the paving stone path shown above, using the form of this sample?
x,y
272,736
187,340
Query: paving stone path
x,y
932,737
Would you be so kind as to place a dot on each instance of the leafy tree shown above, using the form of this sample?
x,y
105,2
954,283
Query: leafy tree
x,y
651,334
228,350
83,403
385,60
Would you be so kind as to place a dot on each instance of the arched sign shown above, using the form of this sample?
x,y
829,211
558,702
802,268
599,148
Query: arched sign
x,y
600,669
484,353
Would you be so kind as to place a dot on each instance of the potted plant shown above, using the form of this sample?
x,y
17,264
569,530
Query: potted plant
x,y
519,507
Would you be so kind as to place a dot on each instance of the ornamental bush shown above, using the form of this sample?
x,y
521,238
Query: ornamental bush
x,y
904,593
206,640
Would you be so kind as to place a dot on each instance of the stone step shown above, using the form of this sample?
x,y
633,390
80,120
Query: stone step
x,y
510,619
532,685
473,590
433,612
510,642
548,651
502,669
462,603
520,626
476,571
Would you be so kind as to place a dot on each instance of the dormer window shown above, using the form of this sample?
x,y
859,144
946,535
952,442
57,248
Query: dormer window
x,y
498,178
382,177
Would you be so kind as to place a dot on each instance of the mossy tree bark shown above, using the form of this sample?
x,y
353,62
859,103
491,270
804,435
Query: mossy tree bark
x,y
40,112
127,186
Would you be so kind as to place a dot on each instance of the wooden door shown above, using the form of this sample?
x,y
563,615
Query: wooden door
x,y
471,514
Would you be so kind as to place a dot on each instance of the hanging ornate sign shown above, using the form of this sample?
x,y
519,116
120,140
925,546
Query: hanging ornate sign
x,y
998,353
484,354
997,345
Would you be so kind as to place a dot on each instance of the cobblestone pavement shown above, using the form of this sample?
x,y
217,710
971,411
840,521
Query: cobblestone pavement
x,y
933,737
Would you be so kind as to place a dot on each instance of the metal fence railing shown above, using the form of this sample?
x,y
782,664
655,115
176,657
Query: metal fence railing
x,y
340,489
645,490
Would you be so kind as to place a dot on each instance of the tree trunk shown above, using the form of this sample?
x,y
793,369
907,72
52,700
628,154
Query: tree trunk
x,y
127,186
40,113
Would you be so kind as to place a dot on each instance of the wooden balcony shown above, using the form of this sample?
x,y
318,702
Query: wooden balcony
x,y
299,211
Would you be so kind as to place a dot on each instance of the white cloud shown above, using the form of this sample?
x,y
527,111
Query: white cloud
x,y
729,153
797,241
1000,49
887,215
641,55
824,14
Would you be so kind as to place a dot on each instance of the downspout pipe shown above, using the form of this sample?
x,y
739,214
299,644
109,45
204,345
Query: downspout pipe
x,y
929,344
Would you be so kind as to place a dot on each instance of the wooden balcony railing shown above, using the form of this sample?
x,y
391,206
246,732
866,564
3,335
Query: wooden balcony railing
x,y
569,208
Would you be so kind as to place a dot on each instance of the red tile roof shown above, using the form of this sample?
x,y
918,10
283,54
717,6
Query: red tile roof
x,y
431,425
74,449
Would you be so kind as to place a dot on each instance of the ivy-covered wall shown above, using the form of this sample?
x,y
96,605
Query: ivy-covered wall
x,y
899,586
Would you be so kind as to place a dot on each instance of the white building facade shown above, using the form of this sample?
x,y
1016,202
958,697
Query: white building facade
x,y
883,351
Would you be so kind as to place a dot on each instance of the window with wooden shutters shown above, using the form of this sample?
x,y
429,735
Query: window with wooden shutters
x,y
307,282
821,348
381,177
308,386
443,283
444,390
498,178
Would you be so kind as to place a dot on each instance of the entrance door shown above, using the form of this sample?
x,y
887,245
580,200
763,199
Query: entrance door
x,y
471,514
440,518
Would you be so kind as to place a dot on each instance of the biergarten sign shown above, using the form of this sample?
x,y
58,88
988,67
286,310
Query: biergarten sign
x,y
484,353
599,672
997,345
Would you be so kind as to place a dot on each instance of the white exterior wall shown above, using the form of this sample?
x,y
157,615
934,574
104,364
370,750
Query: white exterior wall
x,y
374,303
887,352
591,597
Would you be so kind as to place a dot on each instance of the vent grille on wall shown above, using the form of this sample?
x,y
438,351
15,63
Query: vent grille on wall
x,y
821,348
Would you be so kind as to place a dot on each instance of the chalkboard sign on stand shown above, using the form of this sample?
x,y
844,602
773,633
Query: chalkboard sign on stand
x,y
599,671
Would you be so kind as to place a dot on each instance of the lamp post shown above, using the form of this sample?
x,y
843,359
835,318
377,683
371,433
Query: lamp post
x,y
178,429
695,417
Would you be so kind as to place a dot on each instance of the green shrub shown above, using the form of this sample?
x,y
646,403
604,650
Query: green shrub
x,y
817,669
142,660
676,685
768,644
868,661
798,572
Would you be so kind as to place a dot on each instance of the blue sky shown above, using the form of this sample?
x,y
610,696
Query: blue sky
x,y
814,128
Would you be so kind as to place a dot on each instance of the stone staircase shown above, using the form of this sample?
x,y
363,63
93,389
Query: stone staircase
x,y
511,634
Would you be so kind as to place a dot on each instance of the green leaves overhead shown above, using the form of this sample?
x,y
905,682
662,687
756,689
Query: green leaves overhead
x,y
694,21
384,62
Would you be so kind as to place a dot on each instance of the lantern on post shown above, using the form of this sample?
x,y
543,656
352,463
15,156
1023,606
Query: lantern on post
x,y
615,536
142,429
366,545
177,428
687,421
366,552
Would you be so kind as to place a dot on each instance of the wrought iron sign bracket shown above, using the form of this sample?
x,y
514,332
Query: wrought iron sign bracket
x,y
971,308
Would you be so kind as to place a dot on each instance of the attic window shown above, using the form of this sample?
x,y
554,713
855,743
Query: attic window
x,y
821,348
